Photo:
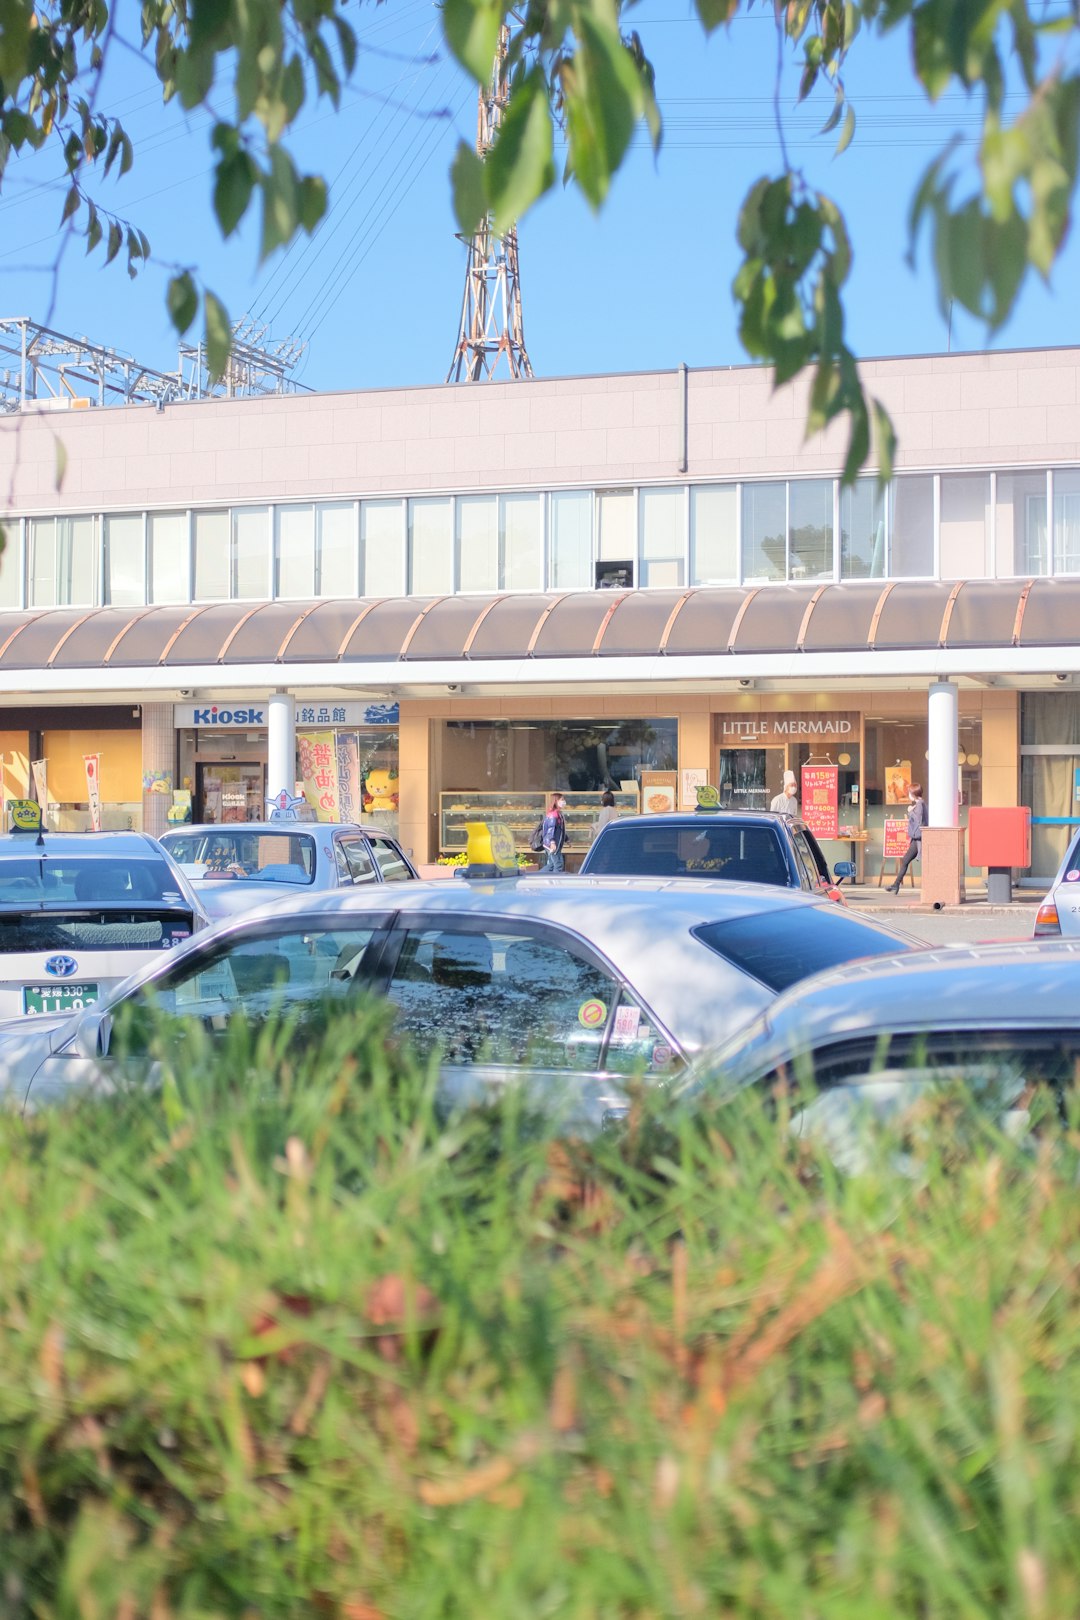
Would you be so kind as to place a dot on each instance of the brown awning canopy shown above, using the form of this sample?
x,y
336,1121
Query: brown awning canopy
x,y
854,617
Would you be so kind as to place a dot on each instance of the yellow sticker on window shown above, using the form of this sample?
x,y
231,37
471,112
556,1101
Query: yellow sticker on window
x,y
592,1014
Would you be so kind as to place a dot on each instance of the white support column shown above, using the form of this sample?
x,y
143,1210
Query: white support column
x,y
943,795
281,743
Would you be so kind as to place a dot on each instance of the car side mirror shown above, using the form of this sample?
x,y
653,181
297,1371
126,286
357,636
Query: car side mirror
x,y
94,1035
843,869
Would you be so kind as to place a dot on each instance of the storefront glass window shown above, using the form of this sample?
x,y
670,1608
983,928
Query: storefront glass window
x,y
764,531
169,562
1050,772
478,542
964,542
431,547
335,555
663,542
251,555
714,534
294,548
521,523
862,530
125,560
810,516
1020,524
571,538
911,529
382,548
1066,522
581,756
211,556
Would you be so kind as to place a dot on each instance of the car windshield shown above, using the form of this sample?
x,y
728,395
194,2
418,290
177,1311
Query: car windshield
x,y
780,948
68,880
705,848
260,857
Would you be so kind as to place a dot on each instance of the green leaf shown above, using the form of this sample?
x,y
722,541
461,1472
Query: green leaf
x,y
521,166
472,33
467,185
218,336
233,185
847,132
281,203
182,301
713,13
858,440
61,464
209,22
94,231
311,201
71,204
116,239
884,441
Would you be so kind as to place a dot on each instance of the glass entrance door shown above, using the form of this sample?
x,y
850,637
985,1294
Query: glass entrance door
x,y
232,792
750,778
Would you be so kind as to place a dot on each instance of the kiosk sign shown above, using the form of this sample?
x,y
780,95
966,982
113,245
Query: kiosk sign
x,y
820,799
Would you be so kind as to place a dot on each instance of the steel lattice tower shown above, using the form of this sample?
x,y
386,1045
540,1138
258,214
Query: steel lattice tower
x,y
491,324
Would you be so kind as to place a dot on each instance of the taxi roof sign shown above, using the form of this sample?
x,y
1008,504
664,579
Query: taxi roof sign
x,y
24,815
490,851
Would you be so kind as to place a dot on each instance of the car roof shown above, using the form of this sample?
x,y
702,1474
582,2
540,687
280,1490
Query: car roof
x,y
93,844
186,828
702,818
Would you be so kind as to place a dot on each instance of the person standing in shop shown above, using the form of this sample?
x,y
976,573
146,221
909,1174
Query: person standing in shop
x,y
786,802
916,821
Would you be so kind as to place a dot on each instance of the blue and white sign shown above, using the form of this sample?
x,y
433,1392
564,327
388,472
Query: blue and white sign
x,y
246,714
346,714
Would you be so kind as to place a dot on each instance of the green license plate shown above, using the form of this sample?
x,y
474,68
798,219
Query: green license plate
x,y
54,998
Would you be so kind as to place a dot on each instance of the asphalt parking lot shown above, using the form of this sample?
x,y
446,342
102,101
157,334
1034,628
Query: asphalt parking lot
x,y
972,923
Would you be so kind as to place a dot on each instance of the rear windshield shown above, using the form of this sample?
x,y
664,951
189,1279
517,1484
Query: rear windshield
x,y
261,857
708,849
783,947
86,879
112,930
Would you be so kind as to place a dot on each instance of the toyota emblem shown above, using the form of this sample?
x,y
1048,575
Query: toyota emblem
x,y
62,967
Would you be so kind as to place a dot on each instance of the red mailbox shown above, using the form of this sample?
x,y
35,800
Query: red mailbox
x,y
999,836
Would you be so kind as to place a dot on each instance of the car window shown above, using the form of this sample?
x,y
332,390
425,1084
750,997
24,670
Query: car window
x,y
358,863
781,947
700,848
390,861
982,1056
77,879
805,859
504,997
813,855
263,857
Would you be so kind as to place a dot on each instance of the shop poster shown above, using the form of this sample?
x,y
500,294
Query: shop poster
x,y
896,840
348,773
897,782
92,763
319,773
819,803
658,789
38,766
691,781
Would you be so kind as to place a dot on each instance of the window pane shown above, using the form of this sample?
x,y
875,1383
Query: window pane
x,y
615,515
862,530
125,572
11,568
251,563
211,556
964,547
912,528
1066,522
336,572
389,860
522,542
169,556
714,534
478,542
1020,522
764,526
295,547
42,550
571,538
382,548
76,561
662,537
810,504
431,549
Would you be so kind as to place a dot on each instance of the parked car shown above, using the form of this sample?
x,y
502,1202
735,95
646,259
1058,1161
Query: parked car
x,y
1059,915
79,912
745,846
242,864
866,1041
577,982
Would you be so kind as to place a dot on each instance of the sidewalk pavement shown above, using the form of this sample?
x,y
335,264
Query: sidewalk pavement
x,y
868,897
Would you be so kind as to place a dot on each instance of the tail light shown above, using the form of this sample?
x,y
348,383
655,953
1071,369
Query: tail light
x,y
1047,922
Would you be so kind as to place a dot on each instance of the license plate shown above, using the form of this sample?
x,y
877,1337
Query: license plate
x,y
54,998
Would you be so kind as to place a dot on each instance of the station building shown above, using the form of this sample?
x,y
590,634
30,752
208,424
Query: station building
x,y
432,603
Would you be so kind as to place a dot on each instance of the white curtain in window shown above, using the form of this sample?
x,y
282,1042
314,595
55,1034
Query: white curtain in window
x,y
714,534
76,561
42,562
478,542
1020,524
251,555
11,568
382,548
1066,522
912,528
337,552
570,520
615,515
169,580
964,540
211,556
431,547
663,544
294,545
521,522
125,560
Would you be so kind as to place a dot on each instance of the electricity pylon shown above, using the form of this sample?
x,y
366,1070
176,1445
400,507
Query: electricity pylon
x,y
491,327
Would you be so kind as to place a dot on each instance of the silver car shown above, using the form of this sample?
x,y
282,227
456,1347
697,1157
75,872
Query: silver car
x,y
576,982
239,865
1059,915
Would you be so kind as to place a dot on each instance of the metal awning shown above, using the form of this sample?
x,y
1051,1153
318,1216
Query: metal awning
x,y
717,622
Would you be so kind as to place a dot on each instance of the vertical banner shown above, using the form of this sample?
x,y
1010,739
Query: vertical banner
x,y
820,799
348,773
92,762
38,766
318,771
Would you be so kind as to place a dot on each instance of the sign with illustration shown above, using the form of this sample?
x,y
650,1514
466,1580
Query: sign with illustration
x,y
819,803
24,815
897,782
92,762
692,780
658,789
896,840
38,766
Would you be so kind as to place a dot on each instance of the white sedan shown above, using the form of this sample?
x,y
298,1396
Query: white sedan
x,y
576,983
1059,915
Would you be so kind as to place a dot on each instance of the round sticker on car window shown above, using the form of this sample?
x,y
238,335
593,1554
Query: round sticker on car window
x,y
1073,876
592,1014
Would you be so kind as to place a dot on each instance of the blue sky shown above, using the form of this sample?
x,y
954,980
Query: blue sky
x,y
644,285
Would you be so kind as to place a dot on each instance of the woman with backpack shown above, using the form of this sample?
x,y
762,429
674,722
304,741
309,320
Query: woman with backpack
x,y
553,833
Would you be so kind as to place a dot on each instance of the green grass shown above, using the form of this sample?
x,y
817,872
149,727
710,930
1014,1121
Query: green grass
x,y
276,1339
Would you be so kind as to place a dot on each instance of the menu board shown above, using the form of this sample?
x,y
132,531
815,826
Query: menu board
x,y
658,789
820,799
896,840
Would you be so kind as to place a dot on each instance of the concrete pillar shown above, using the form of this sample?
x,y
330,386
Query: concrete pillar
x,y
418,760
281,743
158,757
943,783
695,748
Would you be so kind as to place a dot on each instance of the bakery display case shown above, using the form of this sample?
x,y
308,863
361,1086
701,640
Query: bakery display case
x,y
519,813
580,816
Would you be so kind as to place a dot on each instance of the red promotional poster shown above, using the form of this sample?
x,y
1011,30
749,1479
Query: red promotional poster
x,y
93,789
820,799
896,840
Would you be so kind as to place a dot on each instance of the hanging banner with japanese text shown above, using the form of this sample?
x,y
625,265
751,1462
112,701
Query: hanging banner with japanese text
x,y
92,763
318,772
820,799
348,773
38,766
